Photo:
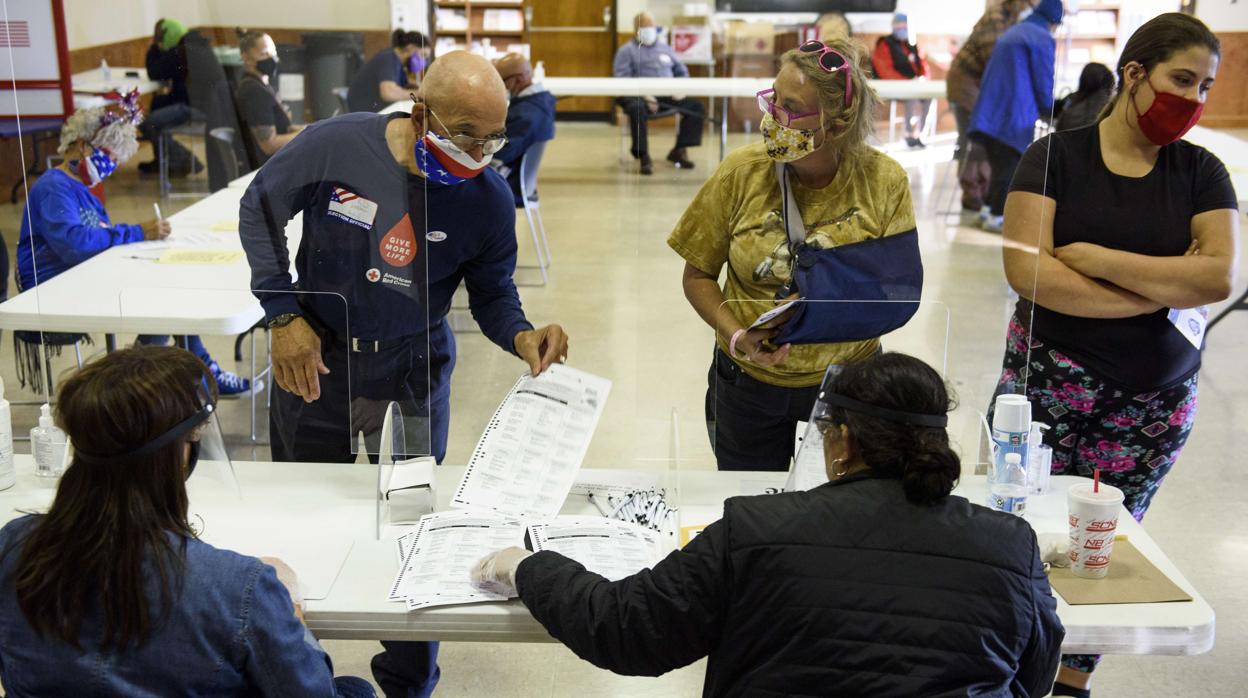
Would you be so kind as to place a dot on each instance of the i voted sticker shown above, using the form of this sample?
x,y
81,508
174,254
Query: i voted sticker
x,y
435,236
664,58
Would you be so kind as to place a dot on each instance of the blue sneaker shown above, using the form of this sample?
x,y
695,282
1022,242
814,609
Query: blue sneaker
x,y
231,385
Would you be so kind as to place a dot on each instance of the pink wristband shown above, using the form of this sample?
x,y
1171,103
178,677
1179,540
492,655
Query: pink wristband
x,y
732,343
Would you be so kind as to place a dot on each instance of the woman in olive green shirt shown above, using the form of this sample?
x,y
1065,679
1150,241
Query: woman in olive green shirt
x,y
847,192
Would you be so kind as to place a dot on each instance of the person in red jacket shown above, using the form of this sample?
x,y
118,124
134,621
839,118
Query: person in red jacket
x,y
895,58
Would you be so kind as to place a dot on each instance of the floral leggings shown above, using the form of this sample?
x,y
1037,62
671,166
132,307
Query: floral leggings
x,y
1133,438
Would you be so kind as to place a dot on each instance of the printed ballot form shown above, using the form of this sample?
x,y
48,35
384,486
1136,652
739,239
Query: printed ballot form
x,y
611,548
439,554
533,446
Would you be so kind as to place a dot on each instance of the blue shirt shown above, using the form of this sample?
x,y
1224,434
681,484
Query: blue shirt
x,y
364,93
658,60
530,120
375,237
1018,84
63,225
231,631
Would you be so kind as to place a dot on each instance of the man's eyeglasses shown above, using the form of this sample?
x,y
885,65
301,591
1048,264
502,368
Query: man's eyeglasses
x,y
784,117
832,61
489,145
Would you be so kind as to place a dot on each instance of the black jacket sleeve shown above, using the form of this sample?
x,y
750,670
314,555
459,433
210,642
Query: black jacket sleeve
x,y
644,625
1037,667
165,65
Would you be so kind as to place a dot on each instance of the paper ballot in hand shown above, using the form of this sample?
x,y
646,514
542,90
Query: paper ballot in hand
x,y
533,446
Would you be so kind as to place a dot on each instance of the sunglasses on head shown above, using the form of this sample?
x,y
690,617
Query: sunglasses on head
x,y
832,61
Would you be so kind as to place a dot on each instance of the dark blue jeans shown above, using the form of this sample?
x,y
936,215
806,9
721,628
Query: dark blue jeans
x,y
167,117
193,344
353,687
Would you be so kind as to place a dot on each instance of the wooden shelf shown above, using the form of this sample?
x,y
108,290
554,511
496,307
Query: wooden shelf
x,y
490,32
451,32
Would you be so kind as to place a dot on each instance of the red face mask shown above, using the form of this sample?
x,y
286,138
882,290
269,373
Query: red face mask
x,y
1169,117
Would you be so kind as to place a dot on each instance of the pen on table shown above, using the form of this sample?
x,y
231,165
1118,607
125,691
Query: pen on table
x,y
156,208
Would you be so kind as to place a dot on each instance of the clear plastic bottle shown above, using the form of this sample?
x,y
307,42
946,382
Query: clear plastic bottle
x,y
8,475
106,73
1039,460
47,443
539,72
1009,489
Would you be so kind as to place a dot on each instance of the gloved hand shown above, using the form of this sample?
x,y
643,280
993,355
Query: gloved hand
x,y
1053,547
496,572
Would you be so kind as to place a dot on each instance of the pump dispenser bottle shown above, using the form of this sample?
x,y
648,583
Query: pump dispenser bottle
x,y
47,443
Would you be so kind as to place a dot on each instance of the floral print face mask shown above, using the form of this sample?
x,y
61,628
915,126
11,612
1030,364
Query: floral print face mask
x,y
785,144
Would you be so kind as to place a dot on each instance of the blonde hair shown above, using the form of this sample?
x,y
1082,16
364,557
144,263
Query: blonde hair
x,y
86,125
860,115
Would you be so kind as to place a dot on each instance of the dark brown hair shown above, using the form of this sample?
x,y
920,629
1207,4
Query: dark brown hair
x,y
1156,41
110,518
918,456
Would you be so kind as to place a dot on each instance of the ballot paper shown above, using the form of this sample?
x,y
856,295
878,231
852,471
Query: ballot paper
x,y
440,554
200,256
774,313
808,470
533,446
613,549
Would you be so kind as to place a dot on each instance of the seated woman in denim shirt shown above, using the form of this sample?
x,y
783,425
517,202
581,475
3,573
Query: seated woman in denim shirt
x,y
110,592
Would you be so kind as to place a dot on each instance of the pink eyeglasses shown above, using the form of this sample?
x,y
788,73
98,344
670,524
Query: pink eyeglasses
x,y
832,61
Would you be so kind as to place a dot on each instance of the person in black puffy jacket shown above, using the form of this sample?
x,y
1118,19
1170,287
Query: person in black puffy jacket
x,y
877,583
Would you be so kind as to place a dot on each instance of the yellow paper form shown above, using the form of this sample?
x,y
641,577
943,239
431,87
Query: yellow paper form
x,y
224,227
185,256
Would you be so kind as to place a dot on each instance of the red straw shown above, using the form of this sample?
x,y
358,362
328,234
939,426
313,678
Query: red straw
x,y
1096,480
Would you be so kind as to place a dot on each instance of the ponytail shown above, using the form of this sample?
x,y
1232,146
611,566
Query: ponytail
x,y
919,456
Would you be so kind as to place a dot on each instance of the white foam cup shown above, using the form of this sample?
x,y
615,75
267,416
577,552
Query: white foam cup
x,y
1093,524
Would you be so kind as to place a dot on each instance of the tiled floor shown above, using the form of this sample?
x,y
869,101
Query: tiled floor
x,y
616,289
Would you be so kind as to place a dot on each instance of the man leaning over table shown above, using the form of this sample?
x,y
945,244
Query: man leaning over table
x,y
647,57
392,205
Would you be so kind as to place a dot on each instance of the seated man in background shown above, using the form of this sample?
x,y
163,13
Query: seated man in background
x,y
530,117
383,79
64,224
647,57
166,62
265,118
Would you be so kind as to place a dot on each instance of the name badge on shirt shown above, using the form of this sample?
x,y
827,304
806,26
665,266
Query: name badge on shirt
x,y
665,59
352,208
1190,322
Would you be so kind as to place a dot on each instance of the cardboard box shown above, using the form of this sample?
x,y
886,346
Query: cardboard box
x,y
750,39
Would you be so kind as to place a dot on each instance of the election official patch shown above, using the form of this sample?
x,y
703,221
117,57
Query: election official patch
x,y
398,246
352,208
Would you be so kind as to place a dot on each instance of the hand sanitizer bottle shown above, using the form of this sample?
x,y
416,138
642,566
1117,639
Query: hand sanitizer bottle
x,y
47,443
8,475
106,73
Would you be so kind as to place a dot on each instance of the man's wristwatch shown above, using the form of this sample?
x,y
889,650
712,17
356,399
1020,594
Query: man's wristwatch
x,y
282,320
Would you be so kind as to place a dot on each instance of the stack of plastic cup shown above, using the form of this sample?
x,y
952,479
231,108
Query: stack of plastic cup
x,y
1093,523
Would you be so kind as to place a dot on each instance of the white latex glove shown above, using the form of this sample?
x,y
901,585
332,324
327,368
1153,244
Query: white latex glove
x,y
496,572
288,578
1053,547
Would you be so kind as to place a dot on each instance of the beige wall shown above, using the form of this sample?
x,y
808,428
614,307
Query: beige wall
x,y
1223,15
97,22
297,14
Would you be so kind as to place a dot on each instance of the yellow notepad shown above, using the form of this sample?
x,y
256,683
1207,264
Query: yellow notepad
x,y
185,256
